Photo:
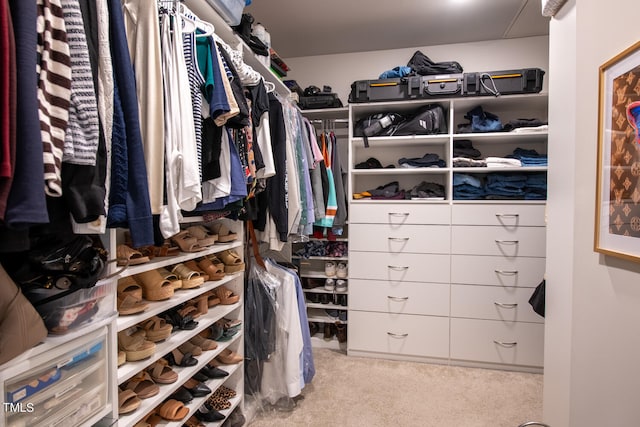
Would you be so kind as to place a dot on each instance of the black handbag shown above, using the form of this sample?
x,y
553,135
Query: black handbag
x,y
537,298
421,64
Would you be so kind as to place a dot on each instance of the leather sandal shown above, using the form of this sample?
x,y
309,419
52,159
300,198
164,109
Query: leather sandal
x,y
142,385
226,295
212,298
128,401
161,373
201,304
204,236
190,278
156,329
176,282
232,261
229,357
215,272
187,242
177,358
127,305
172,410
180,319
154,286
129,256
187,347
129,286
135,346
193,422
204,343
192,264
196,388
224,234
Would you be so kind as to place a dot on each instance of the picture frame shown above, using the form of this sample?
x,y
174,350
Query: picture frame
x,y
617,225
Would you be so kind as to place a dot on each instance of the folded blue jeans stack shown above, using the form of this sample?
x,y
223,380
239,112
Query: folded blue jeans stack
x,y
467,187
506,185
530,157
536,186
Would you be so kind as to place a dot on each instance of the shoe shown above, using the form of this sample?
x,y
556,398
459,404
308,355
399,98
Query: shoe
x,y
341,271
341,332
196,388
342,315
328,331
341,285
330,285
182,395
208,415
332,313
342,300
325,298
213,372
313,328
313,297
330,269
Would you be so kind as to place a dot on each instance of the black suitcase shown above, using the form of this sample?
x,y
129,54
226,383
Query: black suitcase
x,y
321,100
399,89
506,82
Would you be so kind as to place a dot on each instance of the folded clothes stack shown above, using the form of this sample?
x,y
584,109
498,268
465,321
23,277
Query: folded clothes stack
x,y
429,160
467,187
530,157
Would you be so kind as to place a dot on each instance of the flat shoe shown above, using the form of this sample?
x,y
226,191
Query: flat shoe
x,y
173,410
161,373
128,401
213,372
182,395
197,389
229,357
142,385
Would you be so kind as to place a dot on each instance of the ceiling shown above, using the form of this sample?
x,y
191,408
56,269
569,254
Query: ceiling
x,y
312,27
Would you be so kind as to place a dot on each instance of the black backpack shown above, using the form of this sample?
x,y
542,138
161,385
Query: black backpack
x,y
421,64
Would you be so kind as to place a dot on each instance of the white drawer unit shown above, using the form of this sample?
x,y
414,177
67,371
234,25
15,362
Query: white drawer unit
x,y
399,267
399,297
399,334
487,240
399,214
497,270
400,239
508,215
512,343
493,303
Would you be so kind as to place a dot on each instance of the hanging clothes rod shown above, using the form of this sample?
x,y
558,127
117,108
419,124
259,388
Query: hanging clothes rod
x,y
330,120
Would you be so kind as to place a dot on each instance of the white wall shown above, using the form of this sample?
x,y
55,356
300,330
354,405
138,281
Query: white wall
x,y
592,339
339,71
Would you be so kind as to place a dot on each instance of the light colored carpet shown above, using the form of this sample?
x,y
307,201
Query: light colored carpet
x,y
355,391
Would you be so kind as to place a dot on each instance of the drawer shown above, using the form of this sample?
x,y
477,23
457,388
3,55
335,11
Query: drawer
x,y
486,240
398,239
399,213
493,303
497,270
513,343
399,267
399,334
399,297
508,216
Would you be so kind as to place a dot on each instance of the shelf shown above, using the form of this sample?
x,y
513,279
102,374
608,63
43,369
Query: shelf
x,y
322,258
129,369
321,290
167,390
197,402
317,275
326,113
409,201
327,306
319,315
402,171
205,12
401,141
158,262
324,239
318,341
523,169
180,296
504,137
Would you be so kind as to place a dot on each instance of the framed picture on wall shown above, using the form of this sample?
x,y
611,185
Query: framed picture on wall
x,y
618,187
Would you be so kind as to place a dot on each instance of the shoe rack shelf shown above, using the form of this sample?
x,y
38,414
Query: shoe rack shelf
x,y
322,258
184,374
319,315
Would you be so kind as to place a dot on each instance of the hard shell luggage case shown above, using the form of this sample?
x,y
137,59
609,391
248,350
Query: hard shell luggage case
x,y
399,89
324,100
506,82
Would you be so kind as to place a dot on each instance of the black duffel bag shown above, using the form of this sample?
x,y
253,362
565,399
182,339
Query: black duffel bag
x,y
427,120
421,64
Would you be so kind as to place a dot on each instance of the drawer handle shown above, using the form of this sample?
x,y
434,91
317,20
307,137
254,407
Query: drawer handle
x,y
398,239
507,242
507,272
506,344
392,335
396,268
399,299
502,215
503,305
405,214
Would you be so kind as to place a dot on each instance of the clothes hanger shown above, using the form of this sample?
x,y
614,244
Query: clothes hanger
x,y
194,23
270,86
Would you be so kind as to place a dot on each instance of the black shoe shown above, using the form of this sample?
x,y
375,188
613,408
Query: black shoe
x,y
313,328
213,372
182,395
198,390
200,377
210,416
313,297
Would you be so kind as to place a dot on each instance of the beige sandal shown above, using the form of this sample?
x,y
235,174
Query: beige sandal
x,y
204,343
128,401
226,295
229,357
188,347
135,346
192,264
154,286
161,373
172,277
204,236
215,272
187,242
156,329
129,256
232,261
142,385
190,278
224,234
